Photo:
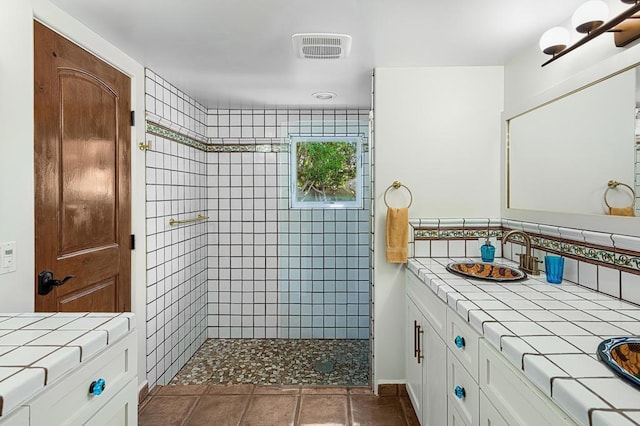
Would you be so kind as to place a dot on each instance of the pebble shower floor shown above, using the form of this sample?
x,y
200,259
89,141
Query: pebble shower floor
x,y
278,362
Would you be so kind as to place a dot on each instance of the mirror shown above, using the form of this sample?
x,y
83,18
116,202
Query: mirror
x,y
562,154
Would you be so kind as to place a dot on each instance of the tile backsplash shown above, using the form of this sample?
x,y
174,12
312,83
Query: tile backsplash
x,y
608,263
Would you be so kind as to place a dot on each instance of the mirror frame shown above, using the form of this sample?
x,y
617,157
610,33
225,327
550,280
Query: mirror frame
x,y
579,80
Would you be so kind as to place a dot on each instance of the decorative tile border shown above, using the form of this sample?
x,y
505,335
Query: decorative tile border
x,y
422,233
163,132
598,255
158,130
622,259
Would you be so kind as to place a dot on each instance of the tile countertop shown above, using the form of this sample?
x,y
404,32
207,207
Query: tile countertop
x,y
38,348
550,332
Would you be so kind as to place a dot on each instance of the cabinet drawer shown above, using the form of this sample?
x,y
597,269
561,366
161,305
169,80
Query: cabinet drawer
x,y
68,401
463,342
122,409
434,309
489,415
511,393
463,391
454,418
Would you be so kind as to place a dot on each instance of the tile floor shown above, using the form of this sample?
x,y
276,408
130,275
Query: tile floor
x,y
278,362
247,404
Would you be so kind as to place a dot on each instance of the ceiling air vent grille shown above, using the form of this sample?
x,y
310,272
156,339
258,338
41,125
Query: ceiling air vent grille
x,y
322,46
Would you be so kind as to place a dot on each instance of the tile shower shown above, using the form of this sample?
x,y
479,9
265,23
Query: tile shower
x,y
256,269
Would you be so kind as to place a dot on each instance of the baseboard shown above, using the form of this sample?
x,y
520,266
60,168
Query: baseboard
x,y
143,391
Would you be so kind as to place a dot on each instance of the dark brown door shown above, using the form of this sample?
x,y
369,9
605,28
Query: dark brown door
x,y
82,168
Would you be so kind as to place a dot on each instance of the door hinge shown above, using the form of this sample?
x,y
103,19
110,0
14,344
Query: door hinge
x,y
133,242
133,118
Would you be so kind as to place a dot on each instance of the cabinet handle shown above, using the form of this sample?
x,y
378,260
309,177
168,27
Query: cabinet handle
x,y
459,341
97,387
459,392
415,338
420,356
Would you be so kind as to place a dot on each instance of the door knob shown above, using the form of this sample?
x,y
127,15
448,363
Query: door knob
x,y
46,282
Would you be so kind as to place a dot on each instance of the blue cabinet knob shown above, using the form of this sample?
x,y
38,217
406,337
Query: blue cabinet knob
x,y
459,392
97,387
459,341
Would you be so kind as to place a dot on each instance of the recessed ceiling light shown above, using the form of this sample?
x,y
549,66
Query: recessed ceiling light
x,y
324,96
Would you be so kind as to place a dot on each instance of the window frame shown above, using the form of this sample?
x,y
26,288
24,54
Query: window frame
x,y
294,203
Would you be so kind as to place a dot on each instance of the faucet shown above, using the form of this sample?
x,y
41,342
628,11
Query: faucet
x,y
528,263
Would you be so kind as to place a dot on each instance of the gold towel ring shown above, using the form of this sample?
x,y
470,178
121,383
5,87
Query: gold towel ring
x,y
613,184
397,185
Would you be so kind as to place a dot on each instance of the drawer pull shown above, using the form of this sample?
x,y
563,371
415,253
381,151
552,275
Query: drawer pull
x,y
97,387
415,339
459,341
459,392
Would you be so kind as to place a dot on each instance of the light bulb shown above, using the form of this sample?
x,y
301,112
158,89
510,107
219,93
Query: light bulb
x,y
554,40
589,16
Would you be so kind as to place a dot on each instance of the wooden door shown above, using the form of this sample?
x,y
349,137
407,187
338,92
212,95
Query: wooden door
x,y
82,168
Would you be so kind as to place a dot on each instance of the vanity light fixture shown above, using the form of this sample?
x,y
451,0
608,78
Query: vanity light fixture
x,y
589,19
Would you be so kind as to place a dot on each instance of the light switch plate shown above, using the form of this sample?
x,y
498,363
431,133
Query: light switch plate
x,y
7,257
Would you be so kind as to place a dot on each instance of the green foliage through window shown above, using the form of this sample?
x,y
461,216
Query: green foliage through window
x,y
326,172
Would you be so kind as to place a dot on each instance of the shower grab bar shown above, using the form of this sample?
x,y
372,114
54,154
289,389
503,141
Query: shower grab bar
x,y
173,221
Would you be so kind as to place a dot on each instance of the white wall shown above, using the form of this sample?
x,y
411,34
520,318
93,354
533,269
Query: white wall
x,y
16,160
16,141
437,130
528,85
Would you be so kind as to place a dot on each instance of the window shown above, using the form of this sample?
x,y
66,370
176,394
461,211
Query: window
x,y
326,172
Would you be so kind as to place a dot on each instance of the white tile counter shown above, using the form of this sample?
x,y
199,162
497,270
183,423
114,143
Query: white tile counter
x,y
549,331
38,348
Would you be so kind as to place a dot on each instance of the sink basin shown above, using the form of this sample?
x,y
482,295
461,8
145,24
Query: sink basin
x,y
486,271
622,356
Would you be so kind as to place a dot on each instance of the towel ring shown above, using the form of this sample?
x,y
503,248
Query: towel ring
x,y
397,185
613,184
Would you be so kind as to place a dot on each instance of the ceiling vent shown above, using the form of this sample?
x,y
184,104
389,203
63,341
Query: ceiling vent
x,y
321,45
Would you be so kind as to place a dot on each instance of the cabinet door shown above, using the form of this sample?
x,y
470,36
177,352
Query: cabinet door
x,y
412,366
434,378
18,417
518,400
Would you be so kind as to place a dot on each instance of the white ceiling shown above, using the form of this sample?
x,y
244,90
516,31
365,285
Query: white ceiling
x,y
238,53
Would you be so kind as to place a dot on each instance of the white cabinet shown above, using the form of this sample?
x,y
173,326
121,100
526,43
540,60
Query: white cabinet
x,y
513,395
68,401
426,361
455,377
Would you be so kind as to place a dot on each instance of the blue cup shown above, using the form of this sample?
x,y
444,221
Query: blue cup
x,y
554,266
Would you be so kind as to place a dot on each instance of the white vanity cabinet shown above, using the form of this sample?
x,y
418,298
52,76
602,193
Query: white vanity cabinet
x,y
69,401
455,377
441,360
510,393
425,354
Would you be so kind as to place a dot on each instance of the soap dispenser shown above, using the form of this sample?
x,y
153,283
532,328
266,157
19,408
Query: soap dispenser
x,y
487,251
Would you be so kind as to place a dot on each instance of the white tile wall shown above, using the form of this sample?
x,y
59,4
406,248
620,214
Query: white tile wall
x,y
276,272
176,177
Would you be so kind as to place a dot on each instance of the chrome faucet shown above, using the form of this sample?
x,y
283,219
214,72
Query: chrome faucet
x,y
528,263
